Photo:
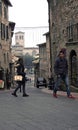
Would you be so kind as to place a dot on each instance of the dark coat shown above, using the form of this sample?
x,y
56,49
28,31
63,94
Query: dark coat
x,y
61,66
20,71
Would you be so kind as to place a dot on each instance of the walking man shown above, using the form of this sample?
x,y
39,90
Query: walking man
x,y
61,71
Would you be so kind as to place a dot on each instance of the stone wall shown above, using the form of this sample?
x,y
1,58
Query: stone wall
x,y
63,22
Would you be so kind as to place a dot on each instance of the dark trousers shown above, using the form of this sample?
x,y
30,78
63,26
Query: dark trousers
x,y
20,84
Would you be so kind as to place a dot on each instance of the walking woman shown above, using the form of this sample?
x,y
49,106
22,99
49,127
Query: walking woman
x,y
20,71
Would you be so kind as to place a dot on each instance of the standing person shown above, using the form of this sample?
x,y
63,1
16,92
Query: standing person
x,y
61,71
20,71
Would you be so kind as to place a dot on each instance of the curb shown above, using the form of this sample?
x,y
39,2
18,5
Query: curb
x,y
59,93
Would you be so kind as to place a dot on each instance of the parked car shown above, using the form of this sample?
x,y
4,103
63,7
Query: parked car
x,y
51,83
41,82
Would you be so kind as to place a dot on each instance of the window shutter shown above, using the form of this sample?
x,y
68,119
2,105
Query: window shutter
x,y
0,32
7,35
0,7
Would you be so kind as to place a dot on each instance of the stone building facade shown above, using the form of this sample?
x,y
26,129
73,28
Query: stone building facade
x,y
63,27
6,33
42,60
48,63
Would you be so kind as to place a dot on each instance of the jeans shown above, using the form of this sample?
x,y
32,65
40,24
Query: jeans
x,y
58,82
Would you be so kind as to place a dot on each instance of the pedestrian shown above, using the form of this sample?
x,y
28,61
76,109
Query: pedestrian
x,y
20,71
61,71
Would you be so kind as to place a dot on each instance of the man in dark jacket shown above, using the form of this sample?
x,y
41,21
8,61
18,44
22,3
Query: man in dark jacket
x,y
20,71
61,71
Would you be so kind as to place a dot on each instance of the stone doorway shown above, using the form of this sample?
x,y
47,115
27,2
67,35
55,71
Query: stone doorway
x,y
73,68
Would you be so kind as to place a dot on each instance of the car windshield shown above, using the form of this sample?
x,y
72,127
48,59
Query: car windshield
x,y
40,79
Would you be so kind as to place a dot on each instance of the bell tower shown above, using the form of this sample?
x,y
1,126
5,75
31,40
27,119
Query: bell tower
x,y
20,38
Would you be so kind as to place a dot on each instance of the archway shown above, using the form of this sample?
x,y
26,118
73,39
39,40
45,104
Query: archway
x,y
73,68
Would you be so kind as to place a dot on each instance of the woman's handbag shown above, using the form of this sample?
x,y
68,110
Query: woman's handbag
x,y
18,78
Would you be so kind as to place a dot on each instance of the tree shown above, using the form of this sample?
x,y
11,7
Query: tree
x,y
28,61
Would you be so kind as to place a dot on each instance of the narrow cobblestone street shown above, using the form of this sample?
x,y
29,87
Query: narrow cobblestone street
x,y
39,111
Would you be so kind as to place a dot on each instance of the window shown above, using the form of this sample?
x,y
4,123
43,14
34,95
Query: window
x,y
70,32
7,35
5,12
0,8
19,37
4,58
77,31
7,57
2,31
22,37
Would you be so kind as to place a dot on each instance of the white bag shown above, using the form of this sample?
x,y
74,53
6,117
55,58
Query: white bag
x,y
1,84
18,78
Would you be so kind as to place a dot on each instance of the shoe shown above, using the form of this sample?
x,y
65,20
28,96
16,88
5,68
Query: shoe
x,y
25,95
70,96
14,94
54,95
